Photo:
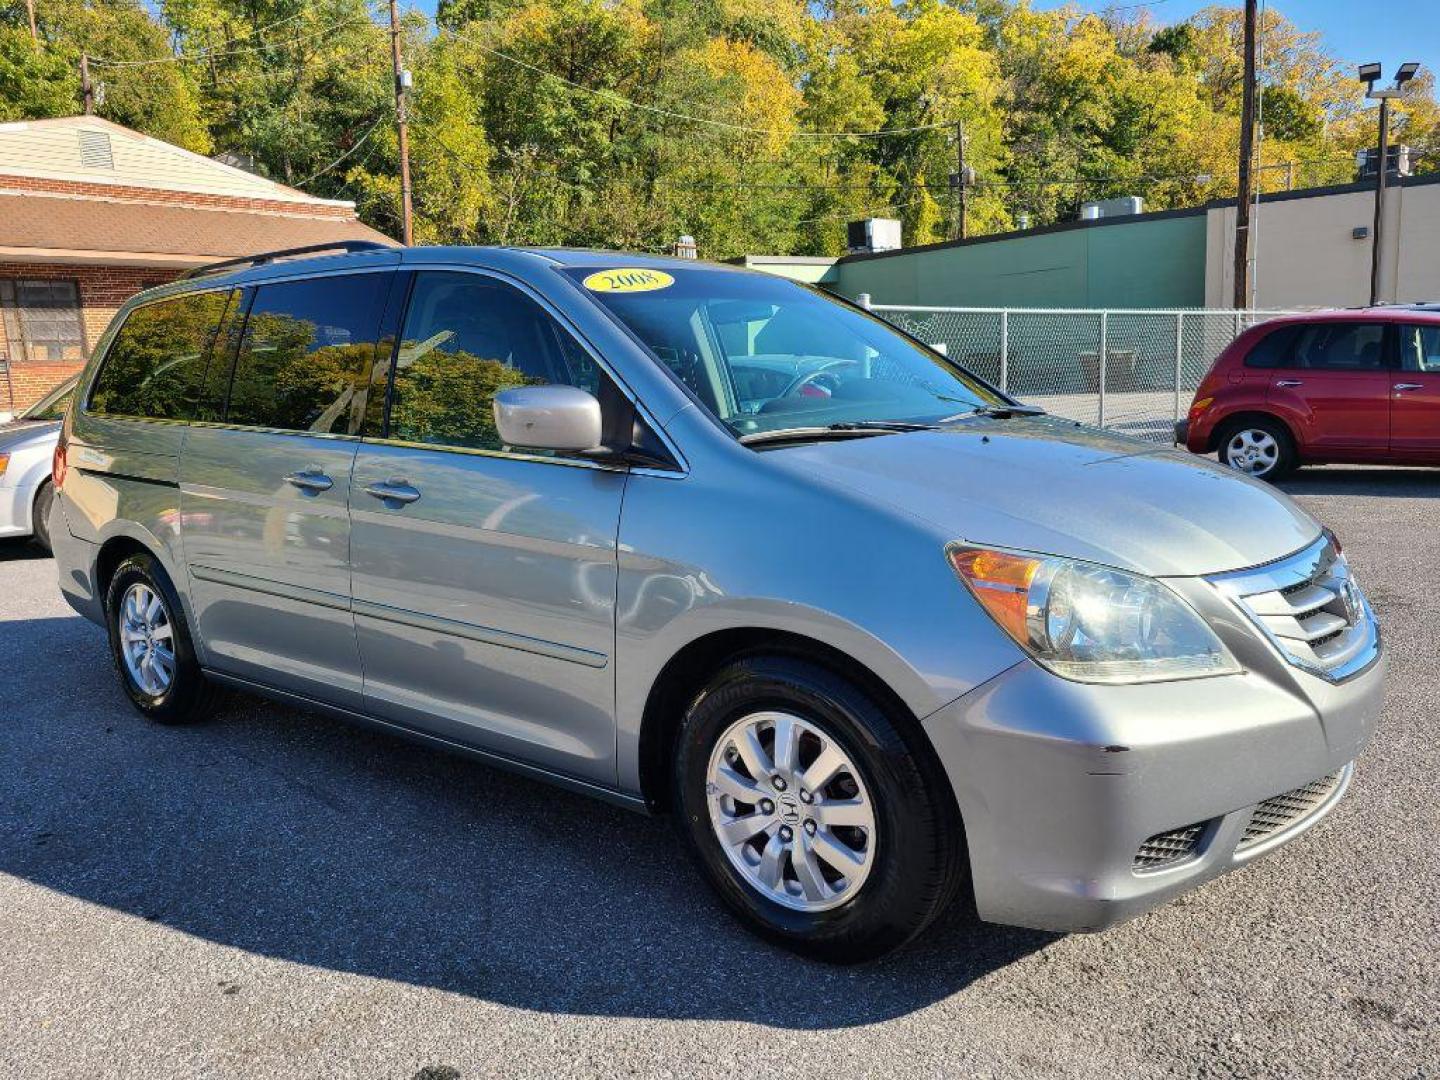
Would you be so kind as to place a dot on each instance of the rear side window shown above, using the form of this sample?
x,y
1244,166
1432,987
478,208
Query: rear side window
x,y
306,354
155,366
1274,350
1337,346
466,338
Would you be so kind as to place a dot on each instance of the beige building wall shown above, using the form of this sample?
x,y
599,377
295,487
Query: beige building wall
x,y
1306,254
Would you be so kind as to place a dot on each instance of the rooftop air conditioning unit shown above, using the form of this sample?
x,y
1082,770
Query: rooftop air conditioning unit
x,y
1401,162
1121,207
873,234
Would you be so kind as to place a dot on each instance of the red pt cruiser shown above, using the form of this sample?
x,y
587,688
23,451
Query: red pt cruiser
x,y
1359,386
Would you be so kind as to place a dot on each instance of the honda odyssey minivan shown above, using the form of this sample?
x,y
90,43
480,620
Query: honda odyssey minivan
x,y
692,538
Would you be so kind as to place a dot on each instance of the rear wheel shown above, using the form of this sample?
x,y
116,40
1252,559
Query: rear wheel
x,y
1259,447
40,515
151,645
811,815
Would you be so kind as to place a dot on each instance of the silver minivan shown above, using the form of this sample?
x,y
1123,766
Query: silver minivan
x,y
692,538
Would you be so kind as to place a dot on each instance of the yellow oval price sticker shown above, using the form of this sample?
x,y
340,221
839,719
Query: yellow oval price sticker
x,y
628,279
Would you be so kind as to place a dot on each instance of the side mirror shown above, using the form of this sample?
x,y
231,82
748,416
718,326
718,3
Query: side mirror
x,y
548,418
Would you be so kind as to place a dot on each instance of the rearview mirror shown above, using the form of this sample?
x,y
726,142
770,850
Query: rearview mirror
x,y
548,418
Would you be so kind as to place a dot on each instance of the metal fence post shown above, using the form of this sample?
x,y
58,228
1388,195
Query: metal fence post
x,y
863,299
1179,358
1104,352
1005,351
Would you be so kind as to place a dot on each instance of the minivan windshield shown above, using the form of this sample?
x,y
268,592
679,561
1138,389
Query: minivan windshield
x,y
766,354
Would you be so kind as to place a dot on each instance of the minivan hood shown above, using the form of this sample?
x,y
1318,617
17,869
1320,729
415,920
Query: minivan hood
x,y
1060,488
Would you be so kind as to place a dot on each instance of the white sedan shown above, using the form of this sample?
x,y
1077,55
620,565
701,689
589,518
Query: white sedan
x,y
27,445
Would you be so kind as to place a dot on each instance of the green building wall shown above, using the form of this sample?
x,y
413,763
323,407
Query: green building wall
x,y
1149,261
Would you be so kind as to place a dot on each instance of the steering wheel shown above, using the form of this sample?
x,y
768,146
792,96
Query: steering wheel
x,y
802,381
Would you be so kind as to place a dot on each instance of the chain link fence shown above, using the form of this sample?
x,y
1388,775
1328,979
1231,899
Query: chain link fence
x,y
1132,370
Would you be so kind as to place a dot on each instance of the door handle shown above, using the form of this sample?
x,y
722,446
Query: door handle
x,y
393,491
1409,386
311,480
1287,383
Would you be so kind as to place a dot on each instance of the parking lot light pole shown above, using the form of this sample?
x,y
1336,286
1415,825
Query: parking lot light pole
x,y
1369,74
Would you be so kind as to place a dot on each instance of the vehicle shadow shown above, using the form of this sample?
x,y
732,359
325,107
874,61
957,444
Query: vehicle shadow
x,y
301,838
20,550
1365,480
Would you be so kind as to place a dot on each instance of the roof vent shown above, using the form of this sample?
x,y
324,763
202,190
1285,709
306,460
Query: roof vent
x,y
95,150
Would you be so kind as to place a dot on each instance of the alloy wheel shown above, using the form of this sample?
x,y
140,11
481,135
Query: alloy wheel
x,y
1254,451
147,639
791,811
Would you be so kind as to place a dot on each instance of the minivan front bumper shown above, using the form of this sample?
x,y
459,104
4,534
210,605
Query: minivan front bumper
x,y
1062,783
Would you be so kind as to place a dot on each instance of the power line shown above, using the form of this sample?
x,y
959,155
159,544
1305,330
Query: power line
x,y
618,99
206,56
1112,8
353,147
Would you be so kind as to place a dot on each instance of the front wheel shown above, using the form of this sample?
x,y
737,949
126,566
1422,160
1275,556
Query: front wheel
x,y
810,813
1261,448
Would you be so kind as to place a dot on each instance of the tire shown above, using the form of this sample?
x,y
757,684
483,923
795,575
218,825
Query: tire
x,y
186,695
1261,447
912,853
40,516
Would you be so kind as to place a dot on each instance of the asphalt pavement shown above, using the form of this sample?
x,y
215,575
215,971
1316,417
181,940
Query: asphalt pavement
x,y
274,894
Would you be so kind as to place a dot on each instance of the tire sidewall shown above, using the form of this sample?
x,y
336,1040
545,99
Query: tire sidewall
x,y
40,515
179,700
887,910
1285,462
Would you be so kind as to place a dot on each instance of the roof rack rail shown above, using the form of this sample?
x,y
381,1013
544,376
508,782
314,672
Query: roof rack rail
x,y
270,256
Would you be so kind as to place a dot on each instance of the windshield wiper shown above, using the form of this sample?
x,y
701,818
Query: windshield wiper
x,y
997,412
841,429
880,425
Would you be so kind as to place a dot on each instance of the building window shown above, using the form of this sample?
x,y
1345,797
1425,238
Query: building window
x,y
42,320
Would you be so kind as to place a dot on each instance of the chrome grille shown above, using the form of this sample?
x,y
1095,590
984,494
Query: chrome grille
x,y
1277,814
1168,848
1309,607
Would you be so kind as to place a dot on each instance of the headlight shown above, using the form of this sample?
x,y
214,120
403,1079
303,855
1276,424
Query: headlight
x,y
1091,623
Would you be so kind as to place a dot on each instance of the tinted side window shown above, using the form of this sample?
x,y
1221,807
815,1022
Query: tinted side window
x,y
306,354
155,366
1341,347
1420,348
466,338
1274,350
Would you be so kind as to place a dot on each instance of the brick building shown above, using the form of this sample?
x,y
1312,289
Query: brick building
x,y
92,212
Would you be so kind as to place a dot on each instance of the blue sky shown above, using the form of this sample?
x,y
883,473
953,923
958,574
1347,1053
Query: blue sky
x,y
1390,31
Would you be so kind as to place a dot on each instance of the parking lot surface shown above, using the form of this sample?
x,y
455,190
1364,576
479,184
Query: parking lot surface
x,y
276,894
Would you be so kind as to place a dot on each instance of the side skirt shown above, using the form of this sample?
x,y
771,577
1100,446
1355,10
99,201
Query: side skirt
x,y
582,787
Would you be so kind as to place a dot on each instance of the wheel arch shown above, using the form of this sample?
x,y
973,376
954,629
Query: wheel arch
x,y
129,538
112,553
1250,416
691,668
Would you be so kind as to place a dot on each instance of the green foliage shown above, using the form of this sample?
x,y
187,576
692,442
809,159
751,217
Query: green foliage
x,y
625,123
35,81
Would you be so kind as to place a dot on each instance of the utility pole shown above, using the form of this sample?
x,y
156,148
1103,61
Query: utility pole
x,y
1244,194
402,85
87,88
34,33
958,183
